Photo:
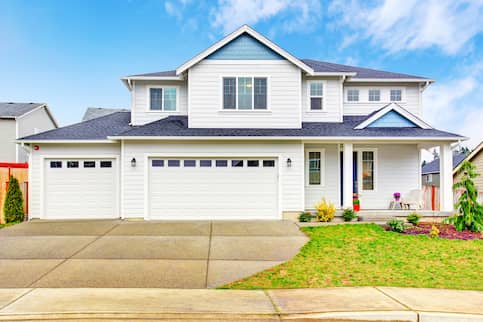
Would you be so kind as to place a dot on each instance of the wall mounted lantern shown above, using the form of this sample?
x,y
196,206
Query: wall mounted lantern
x,y
133,162
289,163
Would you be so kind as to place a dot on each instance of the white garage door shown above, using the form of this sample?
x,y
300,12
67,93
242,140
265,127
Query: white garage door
x,y
80,188
201,188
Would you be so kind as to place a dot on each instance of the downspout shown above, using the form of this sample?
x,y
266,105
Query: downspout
x,y
342,80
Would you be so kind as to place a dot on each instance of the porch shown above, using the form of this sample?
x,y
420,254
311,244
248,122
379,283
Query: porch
x,y
371,173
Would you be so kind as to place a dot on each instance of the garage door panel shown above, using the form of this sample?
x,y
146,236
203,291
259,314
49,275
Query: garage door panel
x,y
80,192
213,192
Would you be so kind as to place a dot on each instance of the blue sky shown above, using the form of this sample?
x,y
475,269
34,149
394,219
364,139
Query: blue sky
x,y
71,54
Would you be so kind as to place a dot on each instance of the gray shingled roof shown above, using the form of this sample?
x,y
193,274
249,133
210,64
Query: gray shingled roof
x,y
95,112
96,129
322,66
178,126
13,110
433,166
117,124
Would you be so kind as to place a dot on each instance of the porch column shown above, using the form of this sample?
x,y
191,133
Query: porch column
x,y
348,175
446,177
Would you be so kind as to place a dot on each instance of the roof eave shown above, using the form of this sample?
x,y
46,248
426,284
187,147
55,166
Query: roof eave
x,y
40,141
347,74
391,80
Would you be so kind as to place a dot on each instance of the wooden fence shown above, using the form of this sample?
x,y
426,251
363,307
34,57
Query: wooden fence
x,y
19,171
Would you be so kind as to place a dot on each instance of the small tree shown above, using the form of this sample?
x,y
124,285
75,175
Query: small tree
x,y
13,207
470,211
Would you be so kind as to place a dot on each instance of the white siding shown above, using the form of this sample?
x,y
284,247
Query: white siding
x,y
410,98
46,150
397,170
332,101
284,95
7,138
140,113
291,180
330,189
32,123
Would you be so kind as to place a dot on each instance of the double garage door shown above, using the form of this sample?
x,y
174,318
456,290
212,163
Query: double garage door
x,y
213,188
178,188
80,188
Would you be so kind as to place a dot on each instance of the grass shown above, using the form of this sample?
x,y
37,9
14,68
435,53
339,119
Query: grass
x,y
9,224
366,255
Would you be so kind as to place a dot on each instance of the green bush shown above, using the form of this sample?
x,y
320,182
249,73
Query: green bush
x,y
305,217
396,225
413,218
348,214
470,211
13,207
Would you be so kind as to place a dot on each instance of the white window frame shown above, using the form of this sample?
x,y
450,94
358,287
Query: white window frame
x,y
162,110
324,94
252,110
395,89
322,168
369,94
358,94
359,165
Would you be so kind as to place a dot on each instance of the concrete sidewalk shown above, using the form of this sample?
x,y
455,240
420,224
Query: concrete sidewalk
x,y
331,304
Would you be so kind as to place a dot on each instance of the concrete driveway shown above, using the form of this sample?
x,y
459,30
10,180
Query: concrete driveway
x,y
119,253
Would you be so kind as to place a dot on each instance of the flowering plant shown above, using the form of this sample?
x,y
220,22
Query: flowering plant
x,y
397,195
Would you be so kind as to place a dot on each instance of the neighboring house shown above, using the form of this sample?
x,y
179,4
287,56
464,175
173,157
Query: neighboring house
x,y
95,112
20,120
430,171
244,130
475,157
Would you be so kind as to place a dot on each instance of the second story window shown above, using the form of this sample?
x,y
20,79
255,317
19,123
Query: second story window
x,y
162,99
245,93
353,95
374,95
395,95
316,93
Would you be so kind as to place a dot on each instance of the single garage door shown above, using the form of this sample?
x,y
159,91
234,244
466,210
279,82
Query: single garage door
x,y
80,188
213,188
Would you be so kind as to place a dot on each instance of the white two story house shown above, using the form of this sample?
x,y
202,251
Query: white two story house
x,y
244,130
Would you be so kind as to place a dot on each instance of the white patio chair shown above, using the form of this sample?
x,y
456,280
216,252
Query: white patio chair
x,y
413,198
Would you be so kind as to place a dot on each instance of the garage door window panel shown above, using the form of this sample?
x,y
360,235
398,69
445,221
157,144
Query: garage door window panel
x,y
205,163
174,163
268,163
253,163
221,163
89,164
72,164
106,164
237,163
157,163
56,164
189,163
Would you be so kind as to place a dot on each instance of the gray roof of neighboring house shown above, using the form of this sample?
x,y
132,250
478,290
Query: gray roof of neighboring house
x,y
13,110
433,166
95,129
95,112
117,124
322,67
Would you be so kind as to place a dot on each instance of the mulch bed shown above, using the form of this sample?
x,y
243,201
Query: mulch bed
x,y
445,231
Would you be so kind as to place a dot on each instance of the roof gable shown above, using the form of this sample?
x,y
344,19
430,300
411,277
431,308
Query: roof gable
x,y
245,47
233,36
392,115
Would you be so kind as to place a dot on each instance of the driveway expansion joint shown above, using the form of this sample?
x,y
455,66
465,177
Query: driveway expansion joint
x,y
208,255
395,299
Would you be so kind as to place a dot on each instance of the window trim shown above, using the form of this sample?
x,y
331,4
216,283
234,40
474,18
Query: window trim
x,y
359,165
369,95
148,98
395,89
322,168
252,110
324,94
358,94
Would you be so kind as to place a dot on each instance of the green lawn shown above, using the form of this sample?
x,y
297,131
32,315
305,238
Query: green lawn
x,y
366,255
9,224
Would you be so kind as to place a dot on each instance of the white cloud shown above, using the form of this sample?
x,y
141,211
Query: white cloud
x,y
410,24
292,15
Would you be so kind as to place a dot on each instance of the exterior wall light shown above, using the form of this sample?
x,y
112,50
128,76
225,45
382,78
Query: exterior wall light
x,y
133,162
289,163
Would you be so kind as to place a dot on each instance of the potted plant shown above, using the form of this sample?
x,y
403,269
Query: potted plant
x,y
356,205
397,196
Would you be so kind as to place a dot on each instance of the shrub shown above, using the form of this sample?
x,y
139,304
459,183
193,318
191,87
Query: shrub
x,y
413,218
348,214
325,210
470,211
13,207
305,216
434,232
396,225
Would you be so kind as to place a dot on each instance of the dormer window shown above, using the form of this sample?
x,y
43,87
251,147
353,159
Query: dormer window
x,y
245,93
162,99
316,95
374,95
